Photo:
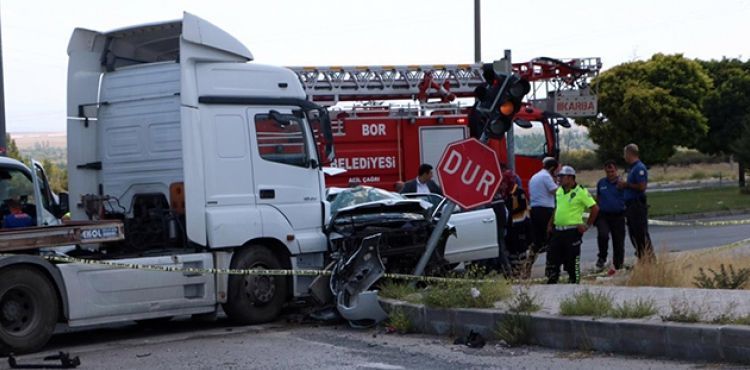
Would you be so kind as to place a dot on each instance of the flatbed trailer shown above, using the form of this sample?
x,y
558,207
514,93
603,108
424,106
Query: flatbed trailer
x,y
70,233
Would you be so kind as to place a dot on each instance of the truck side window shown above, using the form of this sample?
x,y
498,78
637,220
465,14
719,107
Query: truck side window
x,y
530,141
281,139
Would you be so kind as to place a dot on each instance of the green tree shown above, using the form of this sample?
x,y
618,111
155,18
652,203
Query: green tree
x,y
57,175
12,149
727,108
656,104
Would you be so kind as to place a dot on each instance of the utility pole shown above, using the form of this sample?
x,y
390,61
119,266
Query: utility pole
x,y
477,33
509,137
3,144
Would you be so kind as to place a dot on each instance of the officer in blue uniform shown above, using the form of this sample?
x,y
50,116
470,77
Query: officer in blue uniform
x,y
636,208
611,219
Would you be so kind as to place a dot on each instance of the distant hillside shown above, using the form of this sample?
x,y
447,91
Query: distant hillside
x,y
42,145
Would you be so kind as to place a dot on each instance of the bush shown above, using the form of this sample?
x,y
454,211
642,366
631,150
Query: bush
x,y
659,273
524,302
635,309
581,159
684,311
688,157
399,321
465,292
698,175
397,290
515,330
722,279
586,303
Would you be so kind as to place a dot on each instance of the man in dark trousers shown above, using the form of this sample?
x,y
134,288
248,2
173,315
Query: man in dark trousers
x,y
611,219
567,227
423,184
636,208
542,188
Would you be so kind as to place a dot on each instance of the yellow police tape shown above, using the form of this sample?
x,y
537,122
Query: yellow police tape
x,y
303,272
281,272
253,272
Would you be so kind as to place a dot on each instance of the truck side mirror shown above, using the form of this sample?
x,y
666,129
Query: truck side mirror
x,y
64,206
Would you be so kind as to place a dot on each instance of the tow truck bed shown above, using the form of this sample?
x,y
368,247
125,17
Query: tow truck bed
x,y
71,233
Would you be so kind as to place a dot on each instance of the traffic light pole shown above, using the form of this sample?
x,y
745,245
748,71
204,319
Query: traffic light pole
x,y
509,137
447,211
477,32
3,147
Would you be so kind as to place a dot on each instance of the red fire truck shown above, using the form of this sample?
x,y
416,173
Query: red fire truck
x,y
381,144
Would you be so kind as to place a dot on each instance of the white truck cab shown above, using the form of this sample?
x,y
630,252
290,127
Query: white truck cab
x,y
210,161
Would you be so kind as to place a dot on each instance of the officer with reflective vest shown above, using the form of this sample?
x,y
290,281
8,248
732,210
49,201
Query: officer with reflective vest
x,y
567,227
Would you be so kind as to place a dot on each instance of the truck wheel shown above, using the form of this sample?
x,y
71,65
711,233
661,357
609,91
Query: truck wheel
x,y
255,299
28,310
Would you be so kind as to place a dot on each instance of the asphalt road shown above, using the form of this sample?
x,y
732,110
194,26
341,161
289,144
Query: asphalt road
x,y
190,345
672,239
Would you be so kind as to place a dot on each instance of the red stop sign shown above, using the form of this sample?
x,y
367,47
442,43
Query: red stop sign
x,y
469,173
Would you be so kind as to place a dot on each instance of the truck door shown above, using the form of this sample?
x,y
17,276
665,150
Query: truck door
x,y
286,171
434,139
43,196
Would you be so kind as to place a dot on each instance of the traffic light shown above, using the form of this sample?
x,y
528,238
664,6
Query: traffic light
x,y
501,100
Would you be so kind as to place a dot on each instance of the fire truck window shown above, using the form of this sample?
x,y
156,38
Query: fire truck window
x,y
530,141
281,139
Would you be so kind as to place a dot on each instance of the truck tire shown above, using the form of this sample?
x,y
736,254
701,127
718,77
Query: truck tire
x,y
28,310
255,299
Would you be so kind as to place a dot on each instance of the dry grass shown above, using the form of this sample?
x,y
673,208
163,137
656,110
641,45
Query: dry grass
x,y
680,269
660,273
727,171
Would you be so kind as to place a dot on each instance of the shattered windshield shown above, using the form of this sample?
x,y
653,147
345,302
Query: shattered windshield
x,y
360,194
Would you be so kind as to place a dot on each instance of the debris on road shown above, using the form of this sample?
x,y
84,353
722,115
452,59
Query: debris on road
x,y
66,362
471,340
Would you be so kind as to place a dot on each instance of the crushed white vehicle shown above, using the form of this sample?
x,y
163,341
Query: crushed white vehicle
x,y
373,231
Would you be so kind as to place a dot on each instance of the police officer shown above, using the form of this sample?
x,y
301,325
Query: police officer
x,y
636,208
567,227
611,219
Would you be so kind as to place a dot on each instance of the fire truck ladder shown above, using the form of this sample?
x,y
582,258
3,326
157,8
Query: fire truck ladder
x,y
332,84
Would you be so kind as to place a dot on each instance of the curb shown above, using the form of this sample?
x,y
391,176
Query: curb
x,y
692,216
697,342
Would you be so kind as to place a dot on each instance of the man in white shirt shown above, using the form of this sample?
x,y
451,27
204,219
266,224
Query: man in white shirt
x,y
423,184
542,188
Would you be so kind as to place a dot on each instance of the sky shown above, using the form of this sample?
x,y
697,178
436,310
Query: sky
x,y
35,35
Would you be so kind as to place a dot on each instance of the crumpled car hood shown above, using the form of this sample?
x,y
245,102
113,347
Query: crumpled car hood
x,y
385,206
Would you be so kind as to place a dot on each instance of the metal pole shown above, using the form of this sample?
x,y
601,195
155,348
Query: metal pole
x,y
435,237
3,147
477,33
509,137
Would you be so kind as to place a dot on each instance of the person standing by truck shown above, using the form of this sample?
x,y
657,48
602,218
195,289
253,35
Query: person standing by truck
x,y
636,207
611,218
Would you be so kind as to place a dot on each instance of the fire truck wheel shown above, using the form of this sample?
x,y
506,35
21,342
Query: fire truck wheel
x,y
28,310
255,299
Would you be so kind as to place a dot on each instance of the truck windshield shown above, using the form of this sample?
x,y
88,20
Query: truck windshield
x,y
16,193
